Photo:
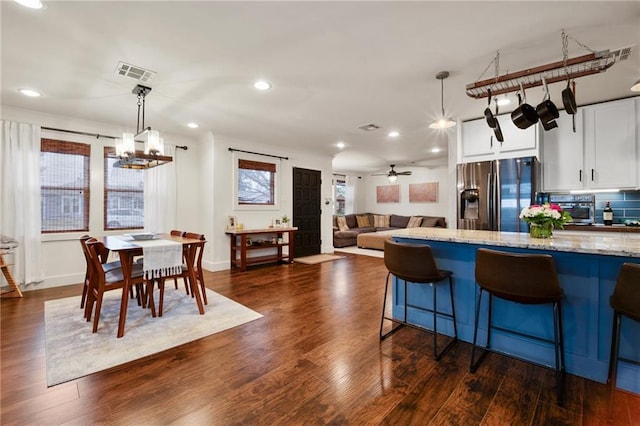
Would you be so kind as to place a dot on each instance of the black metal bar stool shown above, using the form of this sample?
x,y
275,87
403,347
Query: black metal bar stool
x,y
625,301
415,263
522,278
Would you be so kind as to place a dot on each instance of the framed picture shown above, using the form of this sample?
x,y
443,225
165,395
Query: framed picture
x,y
276,223
388,194
423,192
231,222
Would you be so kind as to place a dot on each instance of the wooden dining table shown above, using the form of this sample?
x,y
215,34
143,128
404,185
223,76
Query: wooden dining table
x,y
128,249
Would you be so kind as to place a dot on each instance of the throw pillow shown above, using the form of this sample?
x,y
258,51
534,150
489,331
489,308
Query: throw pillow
x,y
363,221
430,222
414,222
378,220
342,223
386,220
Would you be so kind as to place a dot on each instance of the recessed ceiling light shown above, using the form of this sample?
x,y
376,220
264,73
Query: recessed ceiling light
x,y
30,93
341,145
435,150
262,85
503,101
32,4
193,125
394,134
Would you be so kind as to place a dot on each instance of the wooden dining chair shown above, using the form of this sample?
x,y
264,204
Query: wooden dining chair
x,y
193,252
102,281
178,233
107,266
198,263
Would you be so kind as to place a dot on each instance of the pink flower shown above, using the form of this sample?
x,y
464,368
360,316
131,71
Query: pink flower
x,y
555,207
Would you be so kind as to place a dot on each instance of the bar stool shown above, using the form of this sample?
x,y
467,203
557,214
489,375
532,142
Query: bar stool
x,y
529,279
625,301
415,263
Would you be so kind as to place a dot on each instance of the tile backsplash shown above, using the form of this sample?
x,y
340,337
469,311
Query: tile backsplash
x,y
625,205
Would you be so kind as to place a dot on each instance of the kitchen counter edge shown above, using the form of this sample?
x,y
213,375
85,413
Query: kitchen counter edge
x,y
619,244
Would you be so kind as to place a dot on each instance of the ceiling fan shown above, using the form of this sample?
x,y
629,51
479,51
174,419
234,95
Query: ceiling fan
x,y
392,175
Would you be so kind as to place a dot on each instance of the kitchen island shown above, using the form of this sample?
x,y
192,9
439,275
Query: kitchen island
x,y
587,266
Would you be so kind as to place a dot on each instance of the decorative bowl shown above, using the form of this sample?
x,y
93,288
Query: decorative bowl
x,y
143,236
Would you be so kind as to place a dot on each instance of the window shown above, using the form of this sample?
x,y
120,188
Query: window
x,y
64,185
339,193
256,183
123,195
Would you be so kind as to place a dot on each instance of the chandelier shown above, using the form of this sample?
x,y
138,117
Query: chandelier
x,y
153,154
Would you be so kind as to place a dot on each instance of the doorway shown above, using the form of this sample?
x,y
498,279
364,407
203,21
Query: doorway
x,y
306,211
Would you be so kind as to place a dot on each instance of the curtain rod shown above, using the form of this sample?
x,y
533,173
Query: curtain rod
x,y
258,153
96,135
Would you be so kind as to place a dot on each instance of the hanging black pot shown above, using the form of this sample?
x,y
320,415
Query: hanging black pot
x,y
491,120
546,110
497,131
569,99
524,116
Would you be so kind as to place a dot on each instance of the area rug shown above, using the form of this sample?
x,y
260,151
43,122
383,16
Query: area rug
x,y
73,351
317,258
362,251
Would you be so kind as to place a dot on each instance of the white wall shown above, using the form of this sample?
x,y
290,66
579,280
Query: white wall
x,y
216,163
62,259
204,193
404,207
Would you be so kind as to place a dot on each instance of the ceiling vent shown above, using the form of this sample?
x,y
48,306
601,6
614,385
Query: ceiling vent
x,y
135,72
369,127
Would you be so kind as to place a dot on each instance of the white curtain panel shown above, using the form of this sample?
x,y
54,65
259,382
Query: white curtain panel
x,y
351,194
160,195
20,197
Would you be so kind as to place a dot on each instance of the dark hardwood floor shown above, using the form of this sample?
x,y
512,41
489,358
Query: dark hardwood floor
x,y
315,358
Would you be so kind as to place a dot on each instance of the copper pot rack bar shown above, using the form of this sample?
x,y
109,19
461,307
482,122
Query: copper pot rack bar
x,y
580,66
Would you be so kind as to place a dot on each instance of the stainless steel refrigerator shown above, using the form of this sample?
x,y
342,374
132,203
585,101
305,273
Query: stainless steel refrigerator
x,y
491,194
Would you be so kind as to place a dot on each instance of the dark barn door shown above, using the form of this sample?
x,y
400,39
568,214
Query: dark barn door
x,y
306,211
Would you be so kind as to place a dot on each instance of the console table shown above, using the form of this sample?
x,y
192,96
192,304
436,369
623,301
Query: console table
x,y
269,238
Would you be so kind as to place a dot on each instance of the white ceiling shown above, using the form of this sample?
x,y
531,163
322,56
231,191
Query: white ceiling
x,y
333,65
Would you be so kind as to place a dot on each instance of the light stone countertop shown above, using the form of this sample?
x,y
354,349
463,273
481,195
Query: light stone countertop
x,y
610,244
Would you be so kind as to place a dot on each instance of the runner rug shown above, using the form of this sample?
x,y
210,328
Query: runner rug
x,y
317,258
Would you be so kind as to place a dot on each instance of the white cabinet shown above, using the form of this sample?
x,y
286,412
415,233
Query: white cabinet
x,y
478,142
610,145
600,155
517,140
563,155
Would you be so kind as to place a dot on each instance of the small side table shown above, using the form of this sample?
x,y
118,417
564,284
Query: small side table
x,y
239,246
6,246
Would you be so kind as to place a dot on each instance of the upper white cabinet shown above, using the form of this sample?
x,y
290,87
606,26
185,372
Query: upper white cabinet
x,y
610,145
478,142
516,140
600,155
563,155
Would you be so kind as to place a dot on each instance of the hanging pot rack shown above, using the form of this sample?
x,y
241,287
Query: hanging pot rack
x,y
580,66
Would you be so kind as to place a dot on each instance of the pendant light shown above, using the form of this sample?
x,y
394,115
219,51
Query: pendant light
x,y
153,154
443,122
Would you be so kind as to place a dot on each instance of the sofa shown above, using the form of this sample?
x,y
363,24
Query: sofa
x,y
347,228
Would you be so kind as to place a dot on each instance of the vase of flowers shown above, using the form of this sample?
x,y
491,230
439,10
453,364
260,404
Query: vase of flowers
x,y
543,219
